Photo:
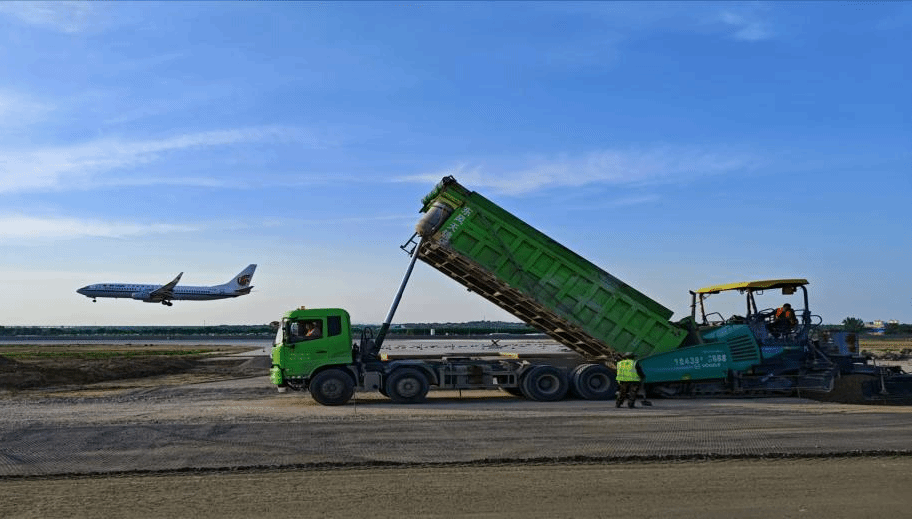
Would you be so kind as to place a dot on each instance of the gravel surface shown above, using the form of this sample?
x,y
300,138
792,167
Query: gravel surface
x,y
246,423
203,444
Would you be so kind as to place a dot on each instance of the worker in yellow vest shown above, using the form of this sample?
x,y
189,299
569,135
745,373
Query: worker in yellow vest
x,y
628,379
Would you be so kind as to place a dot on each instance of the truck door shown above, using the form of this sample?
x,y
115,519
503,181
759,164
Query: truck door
x,y
314,342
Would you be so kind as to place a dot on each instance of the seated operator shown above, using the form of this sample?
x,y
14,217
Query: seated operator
x,y
784,320
313,331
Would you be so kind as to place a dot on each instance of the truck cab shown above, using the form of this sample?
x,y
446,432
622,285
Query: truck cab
x,y
307,341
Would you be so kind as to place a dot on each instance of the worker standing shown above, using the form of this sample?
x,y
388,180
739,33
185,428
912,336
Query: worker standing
x,y
628,379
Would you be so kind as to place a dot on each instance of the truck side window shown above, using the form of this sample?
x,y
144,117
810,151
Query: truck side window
x,y
312,329
334,325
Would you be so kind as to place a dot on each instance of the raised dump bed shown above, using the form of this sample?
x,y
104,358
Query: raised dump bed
x,y
526,273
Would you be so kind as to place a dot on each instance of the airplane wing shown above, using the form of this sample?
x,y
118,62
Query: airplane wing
x,y
166,291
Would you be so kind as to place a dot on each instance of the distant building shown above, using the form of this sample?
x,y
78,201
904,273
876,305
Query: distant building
x,y
876,327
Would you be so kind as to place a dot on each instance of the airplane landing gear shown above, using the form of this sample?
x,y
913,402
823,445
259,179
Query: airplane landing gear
x,y
94,300
165,302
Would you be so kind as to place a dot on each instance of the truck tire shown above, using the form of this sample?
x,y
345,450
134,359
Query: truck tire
x,y
544,383
594,382
406,385
332,387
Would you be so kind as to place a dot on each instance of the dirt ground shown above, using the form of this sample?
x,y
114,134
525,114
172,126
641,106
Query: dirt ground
x,y
43,367
874,487
184,433
76,366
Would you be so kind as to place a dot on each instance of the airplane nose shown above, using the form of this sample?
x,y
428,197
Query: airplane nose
x,y
82,290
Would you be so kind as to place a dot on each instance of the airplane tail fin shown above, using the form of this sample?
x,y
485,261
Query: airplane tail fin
x,y
241,283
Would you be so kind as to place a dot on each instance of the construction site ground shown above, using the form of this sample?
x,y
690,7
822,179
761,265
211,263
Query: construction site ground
x,y
204,434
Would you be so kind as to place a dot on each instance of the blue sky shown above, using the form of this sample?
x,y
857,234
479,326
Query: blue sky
x,y
676,145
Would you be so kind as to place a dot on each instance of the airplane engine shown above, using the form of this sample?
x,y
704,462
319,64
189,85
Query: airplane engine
x,y
143,295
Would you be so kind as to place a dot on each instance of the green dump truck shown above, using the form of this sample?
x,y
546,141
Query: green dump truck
x,y
521,270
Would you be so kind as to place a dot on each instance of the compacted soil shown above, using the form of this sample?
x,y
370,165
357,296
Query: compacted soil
x,y
204,434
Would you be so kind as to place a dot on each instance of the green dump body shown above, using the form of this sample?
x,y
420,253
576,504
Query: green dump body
x,y
536,279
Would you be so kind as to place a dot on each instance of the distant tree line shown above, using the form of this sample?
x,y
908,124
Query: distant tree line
x,y
215,330
405,329
462,329
852,324
266,330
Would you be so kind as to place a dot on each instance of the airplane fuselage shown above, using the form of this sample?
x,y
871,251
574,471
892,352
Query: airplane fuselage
x,y
137,291
164,294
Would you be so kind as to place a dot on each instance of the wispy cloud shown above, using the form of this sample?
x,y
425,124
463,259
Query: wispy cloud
x,y
746,21
584,51
17,110
148,109
747,26
22,227
82,165
634,200
18,227
668,165
67,17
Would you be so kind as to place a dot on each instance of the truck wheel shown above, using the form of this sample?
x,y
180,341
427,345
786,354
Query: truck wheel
x,y
594,382
407,385
544,383
331,387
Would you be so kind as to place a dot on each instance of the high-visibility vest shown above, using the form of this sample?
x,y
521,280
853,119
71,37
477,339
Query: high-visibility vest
x,y
786,313
625,371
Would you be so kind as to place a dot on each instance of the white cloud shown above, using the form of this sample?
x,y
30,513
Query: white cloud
x,y
634,200
17,110
67,17
21,227
746,27
747,21
81,166
666,165
16,227
147,110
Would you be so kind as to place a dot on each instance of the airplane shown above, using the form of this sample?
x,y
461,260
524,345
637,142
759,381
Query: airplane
x,y
237,286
